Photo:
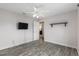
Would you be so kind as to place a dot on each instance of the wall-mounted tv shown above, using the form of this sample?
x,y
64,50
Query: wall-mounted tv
x,y
22,25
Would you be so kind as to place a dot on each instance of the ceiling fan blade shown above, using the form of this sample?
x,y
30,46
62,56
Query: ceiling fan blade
x,y
28,12
33,13
35,9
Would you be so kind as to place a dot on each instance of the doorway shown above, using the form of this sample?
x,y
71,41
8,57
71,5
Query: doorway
x,y
41,31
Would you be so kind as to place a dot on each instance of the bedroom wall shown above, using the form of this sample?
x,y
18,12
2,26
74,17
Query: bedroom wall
x,y
59,34
9,34
78,32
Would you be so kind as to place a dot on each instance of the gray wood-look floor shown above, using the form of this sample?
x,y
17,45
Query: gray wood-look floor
x,y
36,48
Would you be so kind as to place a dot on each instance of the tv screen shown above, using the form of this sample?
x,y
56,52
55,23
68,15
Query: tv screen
x,y
22,25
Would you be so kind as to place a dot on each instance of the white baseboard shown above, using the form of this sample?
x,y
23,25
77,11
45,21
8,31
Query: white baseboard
x,y
61,44
14,45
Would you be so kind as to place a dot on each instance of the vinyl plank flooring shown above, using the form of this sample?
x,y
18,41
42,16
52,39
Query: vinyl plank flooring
x,y
35,48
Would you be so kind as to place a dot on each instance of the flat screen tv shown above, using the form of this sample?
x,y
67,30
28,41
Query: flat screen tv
x,y
22,26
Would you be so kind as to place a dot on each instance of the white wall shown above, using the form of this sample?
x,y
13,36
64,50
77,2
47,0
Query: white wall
x,y
78,32
9,34
59,34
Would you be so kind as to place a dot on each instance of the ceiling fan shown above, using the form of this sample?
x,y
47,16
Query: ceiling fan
x,y
35,12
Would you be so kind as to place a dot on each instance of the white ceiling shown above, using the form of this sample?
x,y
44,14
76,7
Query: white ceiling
x,y
45,9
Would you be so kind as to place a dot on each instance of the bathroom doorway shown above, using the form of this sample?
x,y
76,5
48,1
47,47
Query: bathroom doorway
x,y
41,31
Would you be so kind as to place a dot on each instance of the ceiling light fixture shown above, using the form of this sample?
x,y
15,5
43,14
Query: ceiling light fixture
x,y
35,16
